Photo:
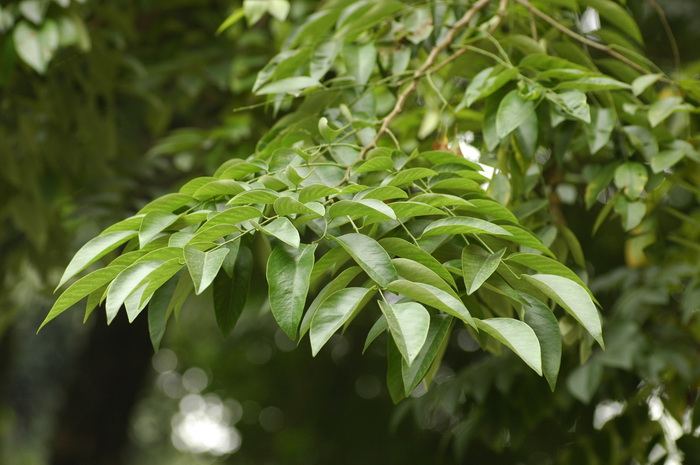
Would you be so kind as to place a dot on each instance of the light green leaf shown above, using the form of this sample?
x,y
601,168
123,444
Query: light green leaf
x,y
546,265
93,250
434,346
288,276
232,216
542,321
517,336
643,82
524,237
373,209
36,47
284,230
289,206
662,109
666,159
333,313
80,289
409,323
432,296
478,265
158,312
370,256
382,193
415,271
145,290
408,176
590,84
128,281
375,164
154,223
463,225
599,131
218,187
573,298
203,266
375,331
291,85
412,209
168,203
440,200
512,111
486,82
230,293
632,213
631,178
573,103
316,191
402,248
360,61
232,19
339,282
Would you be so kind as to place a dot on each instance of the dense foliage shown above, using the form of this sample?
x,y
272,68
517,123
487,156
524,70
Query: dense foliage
x,y
451,176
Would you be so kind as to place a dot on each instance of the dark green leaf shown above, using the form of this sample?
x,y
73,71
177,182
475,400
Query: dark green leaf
x,y
231,293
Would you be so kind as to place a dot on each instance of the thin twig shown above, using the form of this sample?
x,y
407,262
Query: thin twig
x,y
429,62
669,33
584,40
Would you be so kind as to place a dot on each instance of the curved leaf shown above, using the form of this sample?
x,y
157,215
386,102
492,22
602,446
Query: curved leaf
x,y
288,276
432,296
463,225
333,313
409,323
478,265
128,281
517,336
370,256
203,266
284,230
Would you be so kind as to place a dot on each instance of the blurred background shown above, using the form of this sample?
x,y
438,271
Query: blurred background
x,y
105,105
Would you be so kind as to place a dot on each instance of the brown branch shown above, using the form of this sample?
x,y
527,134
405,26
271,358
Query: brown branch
x,y
582,39
429,62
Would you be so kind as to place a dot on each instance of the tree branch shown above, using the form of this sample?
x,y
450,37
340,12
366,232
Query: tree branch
x,y
429,62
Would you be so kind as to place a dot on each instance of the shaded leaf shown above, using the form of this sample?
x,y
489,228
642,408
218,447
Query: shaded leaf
x,y
333,313
478,265
517,336
203,266
409,323
231,293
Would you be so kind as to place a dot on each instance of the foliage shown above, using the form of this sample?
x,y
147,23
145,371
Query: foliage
x,y
361,204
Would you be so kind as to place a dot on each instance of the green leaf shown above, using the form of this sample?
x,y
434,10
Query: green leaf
x,y
373,209
409,323
137,301
642,83
412,209
599,131
542,321
263,196
408,176
478,265
93,250
232,19
218,187
573,103
232,216
360,61
573,298
80,289
231,293
339,282
432,296
524,237
512,112
546,265
402,248
486,82
158,312
631,177
662,109
584,381
168,203
590,84
288,276
414,271
375,331
203,266
333,313
128,281
36,47
316,191
666,159
463,225
284,230
434,346
288,206
382,193
371,257
440,200
546,62
375,164
632,213
517,336
491,208
291,85
154,223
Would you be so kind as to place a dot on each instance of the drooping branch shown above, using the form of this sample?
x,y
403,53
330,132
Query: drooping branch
x,y
429,62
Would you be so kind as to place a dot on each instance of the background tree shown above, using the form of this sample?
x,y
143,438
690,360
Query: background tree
x,y
584,134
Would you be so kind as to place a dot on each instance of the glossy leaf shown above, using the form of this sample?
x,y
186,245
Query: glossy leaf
x,y
370,256
573,298
333,313
542,321
432,350
402,248
284,230
231,293
433,297
128,281
154,223
517,336
288,278
478,265
203,266
512,112
463,225
408,323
